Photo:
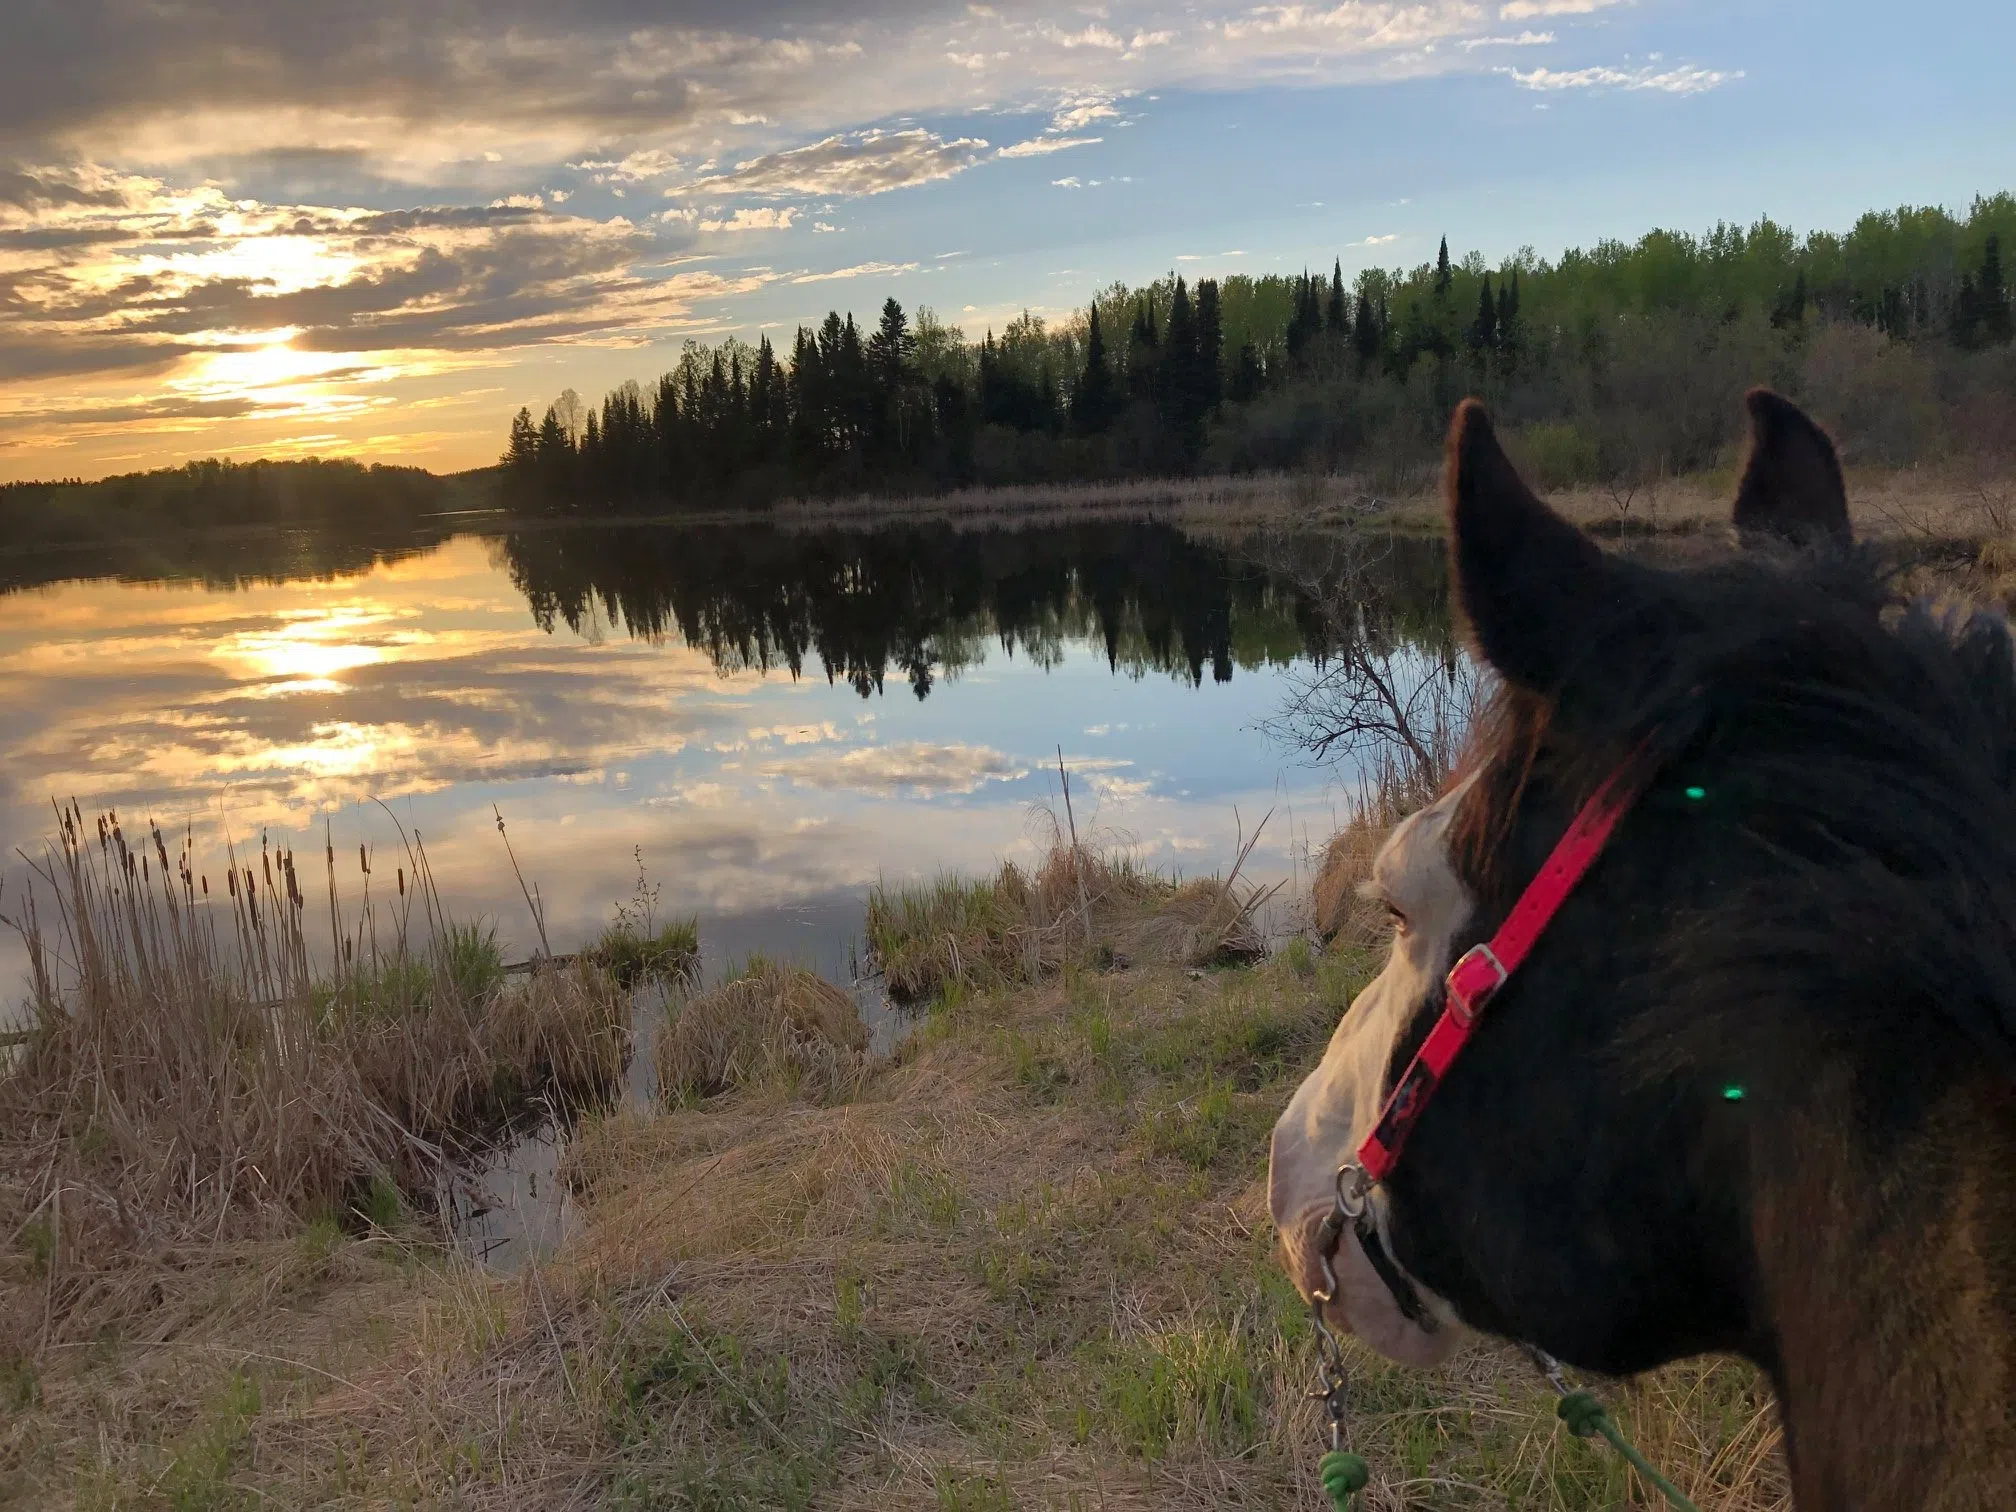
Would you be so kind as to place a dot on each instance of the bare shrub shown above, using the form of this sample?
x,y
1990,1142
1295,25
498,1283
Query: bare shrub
x,y
1393,696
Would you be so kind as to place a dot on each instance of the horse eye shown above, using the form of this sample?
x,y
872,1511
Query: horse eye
x,y
1399,919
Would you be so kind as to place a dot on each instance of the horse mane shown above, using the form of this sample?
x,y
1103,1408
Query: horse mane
x,y
1855,748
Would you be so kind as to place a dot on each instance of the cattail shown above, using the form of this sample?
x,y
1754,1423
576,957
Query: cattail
x,y
206,884
363,861
402,881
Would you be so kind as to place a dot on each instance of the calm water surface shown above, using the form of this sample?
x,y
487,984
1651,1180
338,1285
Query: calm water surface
x,y
774,720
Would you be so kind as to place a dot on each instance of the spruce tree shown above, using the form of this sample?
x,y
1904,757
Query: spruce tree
x,y
1210,343
1183,402
1092,400
1483,334
1444,276
1143,354
1339,314
521,452
1365,334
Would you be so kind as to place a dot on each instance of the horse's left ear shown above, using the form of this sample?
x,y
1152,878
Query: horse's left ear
x,y
1529,582
1791,489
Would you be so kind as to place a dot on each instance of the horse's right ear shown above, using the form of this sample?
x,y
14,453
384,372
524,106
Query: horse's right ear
x,y
1529,583
1791,489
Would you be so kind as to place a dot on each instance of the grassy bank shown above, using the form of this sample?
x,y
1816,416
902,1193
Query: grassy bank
x,y
194,1076
1023,1262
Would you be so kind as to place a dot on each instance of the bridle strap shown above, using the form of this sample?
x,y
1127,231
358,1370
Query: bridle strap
x,y
1483,969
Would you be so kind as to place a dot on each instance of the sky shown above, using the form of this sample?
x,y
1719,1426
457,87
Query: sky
x,y
269,227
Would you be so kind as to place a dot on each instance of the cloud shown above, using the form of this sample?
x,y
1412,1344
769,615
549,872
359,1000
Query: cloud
x,y
1527,10
1686,80
859,270
915,766
746,219
851,163
230,307
1040,146
1523,39
1374,241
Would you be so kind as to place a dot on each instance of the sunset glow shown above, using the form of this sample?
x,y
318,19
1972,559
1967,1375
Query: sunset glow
x,y
243,229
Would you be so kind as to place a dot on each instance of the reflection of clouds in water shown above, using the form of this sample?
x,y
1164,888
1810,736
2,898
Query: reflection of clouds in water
x,y
746,795
913,765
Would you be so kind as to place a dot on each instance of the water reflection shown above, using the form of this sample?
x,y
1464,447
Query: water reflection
x,y
713,697
924,600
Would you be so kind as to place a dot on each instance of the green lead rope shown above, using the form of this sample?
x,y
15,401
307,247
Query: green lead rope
x,y
1345,1474
1586,1417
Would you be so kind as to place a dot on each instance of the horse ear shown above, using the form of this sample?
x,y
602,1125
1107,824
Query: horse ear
x,y
1528,581
1791,489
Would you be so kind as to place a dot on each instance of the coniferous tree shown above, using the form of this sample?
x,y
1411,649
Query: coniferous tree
x,y
1092,400
1338,316
1248,377
1365,336
1210,343
521,453
1992,296
1483,333
1143,355
1444,275
1183,402
1510,339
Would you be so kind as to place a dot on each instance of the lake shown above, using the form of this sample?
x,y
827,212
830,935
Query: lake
x,y
771,719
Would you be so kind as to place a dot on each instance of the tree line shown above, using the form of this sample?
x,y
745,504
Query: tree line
x,y
1620,359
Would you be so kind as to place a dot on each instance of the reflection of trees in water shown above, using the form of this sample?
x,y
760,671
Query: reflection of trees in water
x,y
926,599
222,560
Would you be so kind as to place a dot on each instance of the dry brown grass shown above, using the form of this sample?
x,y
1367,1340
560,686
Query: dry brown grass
x,y
772,1025
1026,1264
190,1083
1078,906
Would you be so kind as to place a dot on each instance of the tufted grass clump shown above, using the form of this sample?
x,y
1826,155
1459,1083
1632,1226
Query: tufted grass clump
x,y
768,1025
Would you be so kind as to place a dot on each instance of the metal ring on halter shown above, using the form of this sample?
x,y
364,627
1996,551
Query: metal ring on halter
x,y
1353,1187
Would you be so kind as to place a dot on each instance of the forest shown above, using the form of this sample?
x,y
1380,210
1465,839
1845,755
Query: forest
x,y
1619,363
321,492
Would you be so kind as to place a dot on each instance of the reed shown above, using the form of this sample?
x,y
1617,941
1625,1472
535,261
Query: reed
x,y
192,1073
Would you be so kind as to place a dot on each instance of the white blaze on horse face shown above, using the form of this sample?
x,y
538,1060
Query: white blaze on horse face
x,y
1335,1107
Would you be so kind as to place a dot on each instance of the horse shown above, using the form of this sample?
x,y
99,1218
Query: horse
x,y
1753,1091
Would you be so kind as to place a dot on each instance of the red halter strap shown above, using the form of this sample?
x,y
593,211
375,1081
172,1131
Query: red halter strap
x,y
1481,970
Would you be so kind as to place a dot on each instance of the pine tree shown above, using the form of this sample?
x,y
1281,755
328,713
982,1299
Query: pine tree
x,y
1338,317
1444,276
1092,399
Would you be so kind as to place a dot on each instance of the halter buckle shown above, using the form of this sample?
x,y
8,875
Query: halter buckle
x,y
1473,981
